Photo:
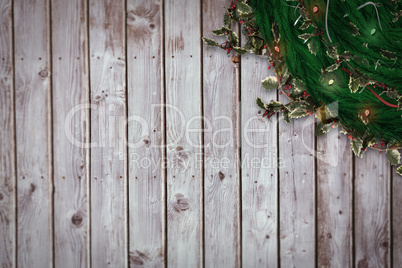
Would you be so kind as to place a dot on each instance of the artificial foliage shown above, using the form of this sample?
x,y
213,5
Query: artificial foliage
x,y
337,59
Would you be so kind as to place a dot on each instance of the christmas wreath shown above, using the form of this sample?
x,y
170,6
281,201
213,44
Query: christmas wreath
x,y
337,59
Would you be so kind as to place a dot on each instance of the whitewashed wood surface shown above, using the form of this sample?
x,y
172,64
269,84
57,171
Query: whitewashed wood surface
x,y
32,95
71,154
126,142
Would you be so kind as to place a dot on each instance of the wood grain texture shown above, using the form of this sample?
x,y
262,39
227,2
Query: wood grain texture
x,y
334,200
259,169
33,110
146,133
7,141
372,210
396,218
169,204
184,158
221,141
108,157
296,190
70,132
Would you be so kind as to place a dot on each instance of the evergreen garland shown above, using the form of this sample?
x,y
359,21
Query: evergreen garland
x,y
340,60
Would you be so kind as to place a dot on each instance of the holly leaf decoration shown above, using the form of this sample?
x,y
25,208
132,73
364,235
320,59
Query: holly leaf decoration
x,y
332,67
284,77
226,20
210,42
346,55
343,131
357,145
298,112
371,142
233,38
305,25
257,42
304,14
275,32
399,170
354,84
322,114
387,54
332,52
270,83
299,85
354,29
243,8
261,104
333,109
396,15
394,157
275,106
305,37
296,94
313,46
322,129
392,94
286,117
240,50
220,31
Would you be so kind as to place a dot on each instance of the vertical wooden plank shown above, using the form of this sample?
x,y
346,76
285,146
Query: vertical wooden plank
x,y
70,132
145,133
259,169
372,210
183,125
7,142
32,96
396,218
334,200
221,172
108,157
297,187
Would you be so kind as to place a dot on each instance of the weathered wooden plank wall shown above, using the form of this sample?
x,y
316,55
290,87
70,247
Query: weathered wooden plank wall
x,y
108,156
126,142
259,180
8,243
221,149
71,133
32,95
184,148
372,211
146,133
297,183
334,200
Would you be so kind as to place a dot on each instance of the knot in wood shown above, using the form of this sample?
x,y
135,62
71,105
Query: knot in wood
x,y
77,219
221,175
135,260
1,196
44,73
98,98
362,263
181,204
33,188
146,141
